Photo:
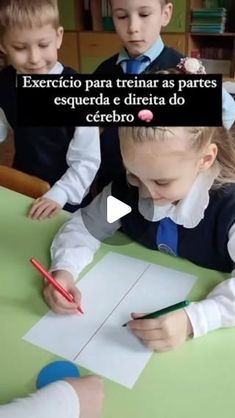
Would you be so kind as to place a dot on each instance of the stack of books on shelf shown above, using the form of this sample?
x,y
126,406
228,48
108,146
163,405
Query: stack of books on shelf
x,y
216,60
210,4
94,15
215,53
208,20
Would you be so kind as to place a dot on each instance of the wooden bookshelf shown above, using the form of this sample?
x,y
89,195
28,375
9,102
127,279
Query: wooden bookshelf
x,y
217,47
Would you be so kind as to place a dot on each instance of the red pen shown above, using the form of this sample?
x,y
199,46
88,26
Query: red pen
x,y
53,282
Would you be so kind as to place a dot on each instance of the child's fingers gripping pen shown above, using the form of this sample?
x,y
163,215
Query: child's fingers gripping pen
x,y
164,311
53,282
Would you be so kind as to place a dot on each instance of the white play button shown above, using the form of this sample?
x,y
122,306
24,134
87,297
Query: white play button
x,y
116,209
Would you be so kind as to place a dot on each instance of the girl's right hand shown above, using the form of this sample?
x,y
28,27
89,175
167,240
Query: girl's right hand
x,y
55,300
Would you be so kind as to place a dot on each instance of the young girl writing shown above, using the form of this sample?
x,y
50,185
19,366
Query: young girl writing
x,y
179,179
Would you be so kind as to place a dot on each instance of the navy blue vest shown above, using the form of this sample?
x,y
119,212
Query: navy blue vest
x,y
40,151
111,161
205,245
168,58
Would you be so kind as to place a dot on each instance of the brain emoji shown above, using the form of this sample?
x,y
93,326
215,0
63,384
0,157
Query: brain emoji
x,y
145,115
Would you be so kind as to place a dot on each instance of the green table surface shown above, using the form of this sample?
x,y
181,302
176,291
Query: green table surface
x,y
195,380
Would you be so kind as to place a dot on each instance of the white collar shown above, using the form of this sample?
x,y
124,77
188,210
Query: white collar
x,y
57,69
190,210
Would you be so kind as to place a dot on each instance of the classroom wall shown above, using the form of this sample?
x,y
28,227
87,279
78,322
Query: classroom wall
x,y
177,24
67,14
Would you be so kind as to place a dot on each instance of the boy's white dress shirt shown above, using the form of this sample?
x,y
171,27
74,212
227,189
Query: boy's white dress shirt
x,y
57,400
83,159
74,247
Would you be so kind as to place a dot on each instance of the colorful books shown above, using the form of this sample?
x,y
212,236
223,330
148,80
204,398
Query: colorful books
x,y
208,20
208,13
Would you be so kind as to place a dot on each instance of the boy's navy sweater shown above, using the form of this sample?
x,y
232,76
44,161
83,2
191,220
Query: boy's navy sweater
x,y
111,161
39,151
205,245
168,58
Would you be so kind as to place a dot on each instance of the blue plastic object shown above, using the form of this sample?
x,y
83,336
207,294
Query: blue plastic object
x,y
57,370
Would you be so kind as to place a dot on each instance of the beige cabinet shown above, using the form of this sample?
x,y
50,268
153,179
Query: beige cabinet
x,y
95,47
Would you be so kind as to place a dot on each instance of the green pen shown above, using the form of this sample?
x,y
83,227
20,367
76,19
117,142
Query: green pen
x,y
164,311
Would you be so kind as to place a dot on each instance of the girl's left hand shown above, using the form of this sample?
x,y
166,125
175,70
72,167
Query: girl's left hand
x,y
163,333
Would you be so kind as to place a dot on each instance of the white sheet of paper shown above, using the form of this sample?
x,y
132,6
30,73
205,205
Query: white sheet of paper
x,y
112,289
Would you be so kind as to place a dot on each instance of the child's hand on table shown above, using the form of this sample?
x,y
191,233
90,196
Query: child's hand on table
x,y
163,333
44,208
55,300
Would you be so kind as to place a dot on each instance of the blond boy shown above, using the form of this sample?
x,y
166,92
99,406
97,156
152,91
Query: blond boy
x,y
30,36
